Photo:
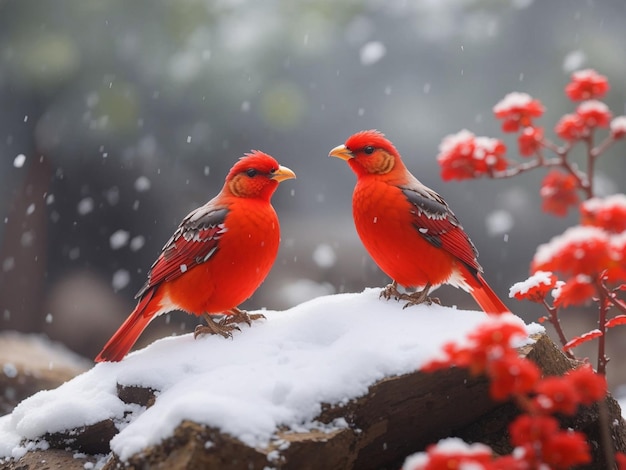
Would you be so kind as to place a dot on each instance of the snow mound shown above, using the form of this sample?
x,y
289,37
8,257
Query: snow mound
x,y
276,373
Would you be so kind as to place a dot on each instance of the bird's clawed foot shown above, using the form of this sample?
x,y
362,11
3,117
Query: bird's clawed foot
x,y
222,328
241,316
418,297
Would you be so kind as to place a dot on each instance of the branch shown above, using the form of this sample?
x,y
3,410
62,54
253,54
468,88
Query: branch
x,y
553,317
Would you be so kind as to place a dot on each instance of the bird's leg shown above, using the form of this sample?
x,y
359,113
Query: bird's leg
x,y
415,298
391,290
419,297
222,328
241,316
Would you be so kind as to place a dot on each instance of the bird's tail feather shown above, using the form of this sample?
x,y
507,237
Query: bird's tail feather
x,y
486,297
126,336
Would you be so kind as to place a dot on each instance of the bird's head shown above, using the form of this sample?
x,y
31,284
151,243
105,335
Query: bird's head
x,y
256,175
368,152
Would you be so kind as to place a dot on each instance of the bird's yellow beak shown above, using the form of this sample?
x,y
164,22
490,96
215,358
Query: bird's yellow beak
x,y
283,173
341,151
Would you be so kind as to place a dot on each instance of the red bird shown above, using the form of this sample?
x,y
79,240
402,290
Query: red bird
x,y
408,228
216,259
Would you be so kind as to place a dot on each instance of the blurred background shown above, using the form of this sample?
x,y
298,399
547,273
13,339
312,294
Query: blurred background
x,y
117,118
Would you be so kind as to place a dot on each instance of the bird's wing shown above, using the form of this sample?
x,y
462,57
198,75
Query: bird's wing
x,y
438,225
194,242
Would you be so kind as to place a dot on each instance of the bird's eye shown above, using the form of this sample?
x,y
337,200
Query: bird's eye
x,y
251,172
368,150
273,170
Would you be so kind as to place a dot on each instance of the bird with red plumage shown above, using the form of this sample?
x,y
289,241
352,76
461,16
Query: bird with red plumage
x,y
407,228
218,256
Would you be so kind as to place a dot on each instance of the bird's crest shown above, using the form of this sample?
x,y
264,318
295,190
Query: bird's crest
x,y
260,161
371,137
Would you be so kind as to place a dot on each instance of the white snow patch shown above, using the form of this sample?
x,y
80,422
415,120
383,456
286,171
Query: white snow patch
x,y
512,100
276,373
592,106
18,162
596,204
451,141
540,277
119,239
571,236
372,52
448,446
618,125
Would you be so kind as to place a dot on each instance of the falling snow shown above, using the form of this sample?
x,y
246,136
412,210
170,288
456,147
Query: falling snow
x,y
121,278
19,161
142,184
574,60
85,206
372,52
9,370
119,239
324,256
499,222
8,264
137,243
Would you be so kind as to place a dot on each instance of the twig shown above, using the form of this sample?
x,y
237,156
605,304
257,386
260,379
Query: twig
x,y
553,317
603,307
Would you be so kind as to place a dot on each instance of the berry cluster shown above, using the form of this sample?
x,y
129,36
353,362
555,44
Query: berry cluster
x,y
590,258
536,435
584,265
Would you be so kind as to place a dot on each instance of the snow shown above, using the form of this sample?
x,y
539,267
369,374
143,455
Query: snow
x,y
142,184
499,222
449,446
574,60
618,125
512,100
137,243
537,279
121,278
572,236
596,204
592,106
324,256
276,373
119,239
372,52
85,206
450,142
19,161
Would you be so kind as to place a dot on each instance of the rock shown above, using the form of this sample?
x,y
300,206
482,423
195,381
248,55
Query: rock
x,y
29,363
398,416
